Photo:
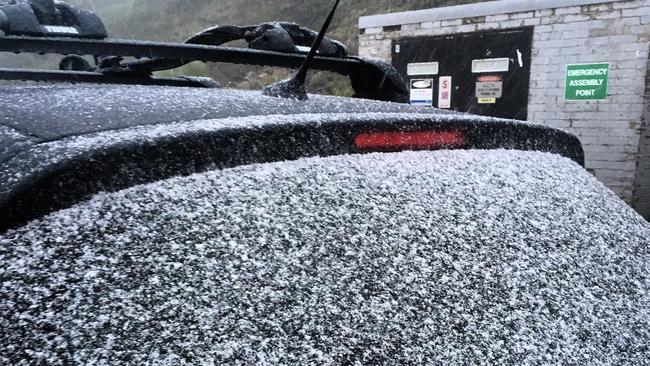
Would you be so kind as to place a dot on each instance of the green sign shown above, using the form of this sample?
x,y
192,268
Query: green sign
x,y
586,81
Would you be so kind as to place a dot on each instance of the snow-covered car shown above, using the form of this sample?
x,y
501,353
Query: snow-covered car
x,y
148,225
154,224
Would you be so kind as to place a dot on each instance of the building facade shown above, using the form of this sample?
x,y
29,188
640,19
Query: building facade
x,y
572,46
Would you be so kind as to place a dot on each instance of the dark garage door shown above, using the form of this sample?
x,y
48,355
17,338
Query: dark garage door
x,y
490,71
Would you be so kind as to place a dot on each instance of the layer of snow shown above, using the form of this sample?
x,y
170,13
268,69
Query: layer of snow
x,y
51,112
11,142
448,257
44,155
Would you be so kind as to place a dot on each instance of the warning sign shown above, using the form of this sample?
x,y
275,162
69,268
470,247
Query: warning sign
x,y
489,87
444,92
422,92
587,81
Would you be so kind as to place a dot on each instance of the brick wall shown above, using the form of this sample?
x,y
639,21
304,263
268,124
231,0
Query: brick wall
x,y
610,130
642,194
617,32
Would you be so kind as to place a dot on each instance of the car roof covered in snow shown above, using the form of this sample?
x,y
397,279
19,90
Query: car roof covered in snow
x,y
60,144
445,257
31,115
57,111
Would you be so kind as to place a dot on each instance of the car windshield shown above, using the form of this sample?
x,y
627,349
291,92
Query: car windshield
x,y
413,257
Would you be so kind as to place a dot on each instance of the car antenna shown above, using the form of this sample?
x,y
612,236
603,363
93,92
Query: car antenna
x,y
294,88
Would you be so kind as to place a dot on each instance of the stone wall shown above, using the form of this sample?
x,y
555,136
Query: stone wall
x,y
617,32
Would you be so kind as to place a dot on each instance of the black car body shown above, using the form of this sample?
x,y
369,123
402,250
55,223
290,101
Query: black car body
x,y
331,231
163,225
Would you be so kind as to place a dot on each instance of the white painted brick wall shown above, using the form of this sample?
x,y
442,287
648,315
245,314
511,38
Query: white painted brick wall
x,y
611,131
642,193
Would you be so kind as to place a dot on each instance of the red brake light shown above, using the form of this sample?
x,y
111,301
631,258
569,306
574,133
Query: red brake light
x,y
403,140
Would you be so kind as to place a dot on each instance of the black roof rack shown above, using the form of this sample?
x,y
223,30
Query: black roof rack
x,y
55,27
372,79
48,18
100,78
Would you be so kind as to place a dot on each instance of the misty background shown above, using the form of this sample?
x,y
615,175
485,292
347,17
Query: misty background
x,y
177,20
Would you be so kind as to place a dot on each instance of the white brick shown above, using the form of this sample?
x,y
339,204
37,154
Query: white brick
x,y
621,150
614,107
511,24
583,107
608,40
451,22
617,132
597,8
638,12
606,156
552,123
427,25
642,30
532,21
486,26
615,174
410,27
467,28
623,165
609,15
544,83
525,15
545,115
543,13
496,18
593,123
374,30
626,4
569,10
575,33
557,43
576,18
553,19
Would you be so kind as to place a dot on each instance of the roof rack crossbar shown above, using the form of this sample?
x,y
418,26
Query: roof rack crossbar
x,y
371,79
168,50
99,78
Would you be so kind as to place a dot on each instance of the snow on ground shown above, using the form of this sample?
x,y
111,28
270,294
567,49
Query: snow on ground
x,y
448,257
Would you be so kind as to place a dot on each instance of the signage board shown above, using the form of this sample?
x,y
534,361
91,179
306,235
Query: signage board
x,y
422,68
491,65
444,92
422,92
586,81
487,100
489,87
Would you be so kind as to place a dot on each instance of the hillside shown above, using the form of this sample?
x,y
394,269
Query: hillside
x,y
176,20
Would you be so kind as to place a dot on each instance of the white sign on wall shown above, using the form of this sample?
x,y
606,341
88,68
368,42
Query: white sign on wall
x,y
491,65
444,92
422,92
422,69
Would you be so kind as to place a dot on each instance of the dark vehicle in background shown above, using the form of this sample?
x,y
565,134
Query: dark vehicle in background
x,y
173,222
